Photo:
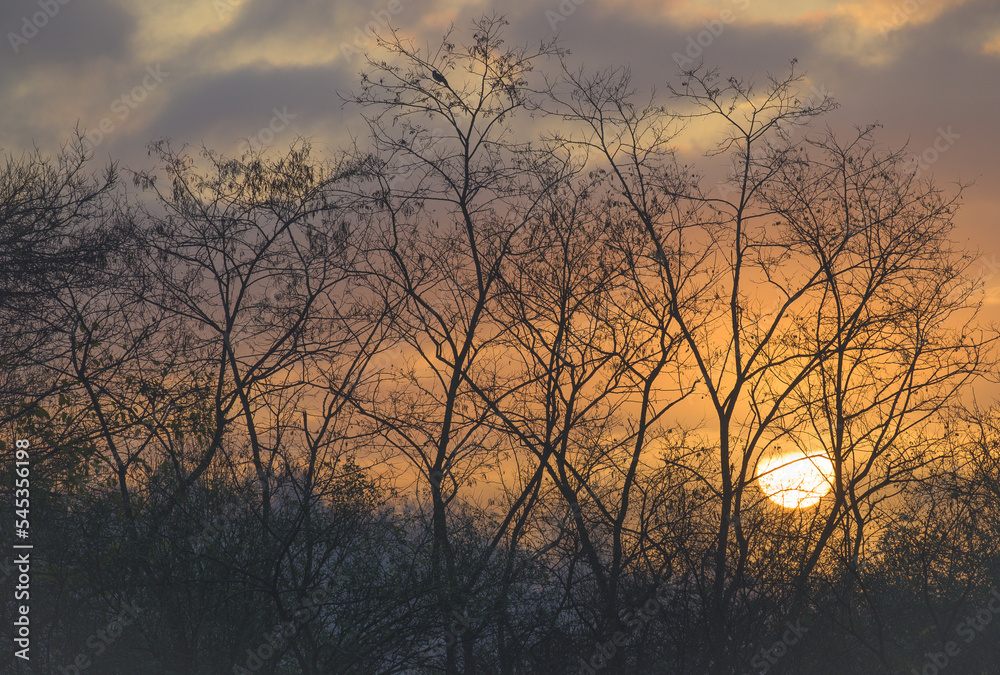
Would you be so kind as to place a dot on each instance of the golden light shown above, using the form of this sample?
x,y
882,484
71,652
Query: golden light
x,y
795,480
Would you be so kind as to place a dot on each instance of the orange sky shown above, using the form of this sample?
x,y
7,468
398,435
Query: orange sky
x,y
232,71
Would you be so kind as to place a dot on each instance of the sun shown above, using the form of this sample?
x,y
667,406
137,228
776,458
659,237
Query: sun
x,y
795,480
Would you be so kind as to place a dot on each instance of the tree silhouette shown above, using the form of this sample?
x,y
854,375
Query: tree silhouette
x,y
490,391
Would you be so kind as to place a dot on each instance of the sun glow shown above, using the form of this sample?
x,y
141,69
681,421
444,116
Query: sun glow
x,y
795,480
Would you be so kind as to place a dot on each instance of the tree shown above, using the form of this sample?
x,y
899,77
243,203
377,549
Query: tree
x,y
820,304
454,195
493,391
63,240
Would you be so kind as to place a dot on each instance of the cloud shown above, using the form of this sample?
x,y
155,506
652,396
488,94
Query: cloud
x,y
221,109
231,62
71,33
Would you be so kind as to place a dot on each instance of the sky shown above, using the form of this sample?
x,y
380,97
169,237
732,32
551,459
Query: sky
x,y
225,73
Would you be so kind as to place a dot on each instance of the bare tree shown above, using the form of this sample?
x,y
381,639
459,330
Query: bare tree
x,y
500,384
456,193
812,301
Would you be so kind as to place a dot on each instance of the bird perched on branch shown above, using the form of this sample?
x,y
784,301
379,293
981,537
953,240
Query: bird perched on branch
x,y
440,79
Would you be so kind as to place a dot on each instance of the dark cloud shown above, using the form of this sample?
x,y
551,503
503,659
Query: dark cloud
x,y
71,33
226,107
47,42
246,58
